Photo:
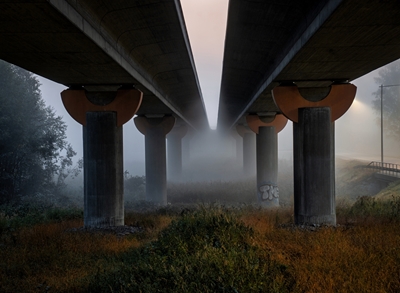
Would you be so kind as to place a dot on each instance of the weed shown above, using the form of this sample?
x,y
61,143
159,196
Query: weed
x,y
211,249
204,251
24,214
367,206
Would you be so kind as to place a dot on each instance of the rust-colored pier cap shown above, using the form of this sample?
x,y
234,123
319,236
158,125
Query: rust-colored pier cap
x,y
125,104
254,121
289,100
143,123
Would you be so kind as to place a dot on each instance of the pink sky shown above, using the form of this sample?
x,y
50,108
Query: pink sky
x,y
206,26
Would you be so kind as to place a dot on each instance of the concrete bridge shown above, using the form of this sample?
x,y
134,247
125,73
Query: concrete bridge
x,y
283,60
118,58
296,59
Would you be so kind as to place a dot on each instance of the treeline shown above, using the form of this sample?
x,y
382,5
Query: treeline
x,y
35,157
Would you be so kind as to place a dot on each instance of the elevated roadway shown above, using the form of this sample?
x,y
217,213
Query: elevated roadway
x,y
102,45
297,58
312,43
118,58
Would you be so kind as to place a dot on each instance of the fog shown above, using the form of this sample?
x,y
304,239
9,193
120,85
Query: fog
x,y
357,131
357,136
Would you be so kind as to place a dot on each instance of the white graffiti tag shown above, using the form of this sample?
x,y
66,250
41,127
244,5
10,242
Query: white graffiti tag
x,y
269,192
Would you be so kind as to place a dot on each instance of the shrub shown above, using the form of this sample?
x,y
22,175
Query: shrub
x,y
202,251
26,214
134,187
367,206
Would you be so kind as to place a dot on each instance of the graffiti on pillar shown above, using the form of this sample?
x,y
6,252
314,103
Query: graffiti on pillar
x,y
269,192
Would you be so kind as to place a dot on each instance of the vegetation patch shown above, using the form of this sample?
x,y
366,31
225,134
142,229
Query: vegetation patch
x,y
212,249
203,251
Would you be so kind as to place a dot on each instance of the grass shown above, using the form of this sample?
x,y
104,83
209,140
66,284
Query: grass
x,y
204,251
210,249
45,257
215,248
353,181
389,192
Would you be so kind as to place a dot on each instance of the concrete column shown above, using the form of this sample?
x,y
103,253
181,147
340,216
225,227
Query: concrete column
x,y
267,167
239,149
156,174
314,175
103,170
174,143
155,131
238,146
249,153
267,128
313,141
102,115
186,141
174,157
185,150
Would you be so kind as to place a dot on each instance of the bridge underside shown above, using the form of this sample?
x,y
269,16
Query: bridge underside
x,y
108,53
324,41
105,45
296,58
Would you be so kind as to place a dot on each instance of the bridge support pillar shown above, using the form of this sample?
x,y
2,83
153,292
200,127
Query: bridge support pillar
x,y
267,156
267,167
186,147
155,131
103,158
238,146
174,147
249,153
249,150
313,142
102,118
314,167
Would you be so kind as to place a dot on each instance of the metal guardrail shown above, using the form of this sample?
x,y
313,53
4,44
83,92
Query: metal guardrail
x,y
387,169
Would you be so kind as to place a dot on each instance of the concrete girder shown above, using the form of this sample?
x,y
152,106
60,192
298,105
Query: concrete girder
x,y
113,43
324,41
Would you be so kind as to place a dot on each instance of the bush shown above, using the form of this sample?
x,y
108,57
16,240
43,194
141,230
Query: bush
x,y
203,251
26,215
367,206
134,187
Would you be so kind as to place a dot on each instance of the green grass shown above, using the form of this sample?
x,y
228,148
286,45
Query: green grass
x,y
204,251
216,248
13,217
209,249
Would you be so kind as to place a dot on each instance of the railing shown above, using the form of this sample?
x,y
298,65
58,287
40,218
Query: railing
x,y
387,169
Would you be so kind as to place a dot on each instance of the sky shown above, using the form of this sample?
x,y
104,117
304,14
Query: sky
x,y
357,133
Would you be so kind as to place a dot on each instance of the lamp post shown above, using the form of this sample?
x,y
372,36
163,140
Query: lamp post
x,y
382,86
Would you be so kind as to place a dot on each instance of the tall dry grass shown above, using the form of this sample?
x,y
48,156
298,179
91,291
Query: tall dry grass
x,y
360,257
362,254
49,258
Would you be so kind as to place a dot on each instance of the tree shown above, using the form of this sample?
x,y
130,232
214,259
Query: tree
x,y
389,75
134,187
34,153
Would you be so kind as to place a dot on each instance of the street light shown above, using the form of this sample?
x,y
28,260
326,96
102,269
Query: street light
x,y
382,86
